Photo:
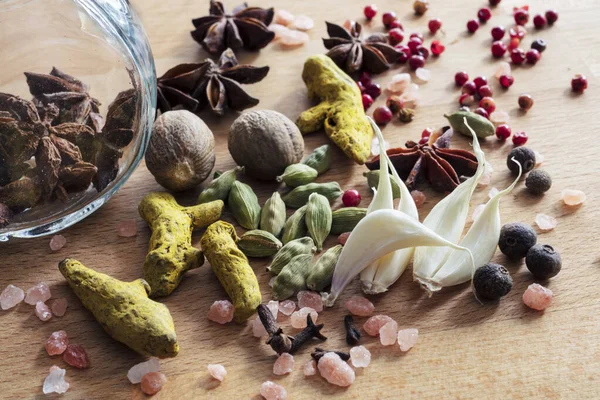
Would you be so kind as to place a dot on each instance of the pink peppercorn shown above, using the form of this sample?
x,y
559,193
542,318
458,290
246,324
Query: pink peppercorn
x,y
480,81
519,138
494,3
373,90
481,111
460,78
437,48
579,83
387,18
469,88
484,14
423,52
514,43
351,198
498,32
426,133
396,24
417,35
503,132
365,78
539,21
395,36
370,11
517,56
367,101
533,56
413,44
406,53
551,16
472,26
488,104
485,91
506,81
416,61
434,25
382,115
498,49
521,17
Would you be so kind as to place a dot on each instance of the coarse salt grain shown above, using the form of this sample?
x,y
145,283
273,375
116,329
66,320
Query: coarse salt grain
x,y
273,306
127,228
136,372
486,177
399,83
11,296
55,381
287,307
545,222
499,118
76,356
360,356
411,98
388,333
572,197
258,329
59,306
283,17
303,23
284,364
278,30
292,38
310,368
343,238
272,391
374,324
217,371
360,306
298,318
39,292
272,281
423,74
407,338
335,370
153,382
539,158
477,212
418,197
537,297
57,242
221,311
493,191
310,299
503,69
42,311
57,343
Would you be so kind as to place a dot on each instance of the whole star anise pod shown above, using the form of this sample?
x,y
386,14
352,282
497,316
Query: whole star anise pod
x,y
195,86
245,27
435,160
353,54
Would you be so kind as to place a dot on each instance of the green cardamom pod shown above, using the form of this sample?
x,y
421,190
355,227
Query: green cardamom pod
x,y
295,226
257,243
272,217
297,174
243,203
318,219
373,182
320,158
322,272
345,219
299,196
292,277
481,125
296,247
219,188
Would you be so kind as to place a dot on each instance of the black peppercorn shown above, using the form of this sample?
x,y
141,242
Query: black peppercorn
x,y
524,156
516,239
538,181
539,45
543,261
491,282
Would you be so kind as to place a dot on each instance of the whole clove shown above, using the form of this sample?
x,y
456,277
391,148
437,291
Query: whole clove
x,y
319,352
311,331
352,334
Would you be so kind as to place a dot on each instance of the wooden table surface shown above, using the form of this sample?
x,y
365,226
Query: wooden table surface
x,y
465,350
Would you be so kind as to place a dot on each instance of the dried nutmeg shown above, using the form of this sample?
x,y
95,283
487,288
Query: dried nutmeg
x,y
180,154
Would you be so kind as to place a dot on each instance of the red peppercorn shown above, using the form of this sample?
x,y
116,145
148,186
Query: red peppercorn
x,y
533,56
494,3
387,18
351,198
406,53
579,83
460,78
525,102
481,111
395,36
373,90
437,47
514,43
426,133
506,81
396,24
498,49
423,52
551,16
382,115
417,35
480,81
470,88
539,21
424,140
367,101
466,99
519,138
365,78
485,91
413,43
370,11
488,104
521,17
472,25
361,86
517,31
517,56
434,25
503,132
395,104
416,61
484,14
498,32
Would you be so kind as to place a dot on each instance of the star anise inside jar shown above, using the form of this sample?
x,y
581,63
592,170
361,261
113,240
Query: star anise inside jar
x,y
442,166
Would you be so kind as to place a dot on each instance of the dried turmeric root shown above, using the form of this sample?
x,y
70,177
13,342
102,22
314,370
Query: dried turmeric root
x,y
124,310
171,253
340,111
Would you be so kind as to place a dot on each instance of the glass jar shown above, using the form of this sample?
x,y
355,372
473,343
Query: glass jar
x,y
77,101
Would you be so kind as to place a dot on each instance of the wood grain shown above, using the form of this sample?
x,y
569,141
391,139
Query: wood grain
x,y
465,350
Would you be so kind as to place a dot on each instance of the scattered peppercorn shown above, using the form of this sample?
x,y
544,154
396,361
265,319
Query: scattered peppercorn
x,y
551,16
538,181
395,104
494,3
367,101
525,102
524,156
488,104
517,56
521,16
506,81
543,261
516,239
370,11
503,132
498,49
579,83
421,6
395,36
469,87
539,45
533,56
396,24
351,198
492,281
481,111
520,138
498,32
480,81
434,25
373,90
382,115
484,14
460,78
416,61
387,18
472,25
539,21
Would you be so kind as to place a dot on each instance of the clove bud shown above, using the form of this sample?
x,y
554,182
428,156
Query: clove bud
x,y
352,334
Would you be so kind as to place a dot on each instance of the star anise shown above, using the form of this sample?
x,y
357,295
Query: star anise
x,y
245,27
436,161
195,86
353,54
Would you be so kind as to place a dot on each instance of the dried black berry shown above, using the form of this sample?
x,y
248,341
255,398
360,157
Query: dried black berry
x,y
491,282
543,261
516,239
539,45
524,156
538,181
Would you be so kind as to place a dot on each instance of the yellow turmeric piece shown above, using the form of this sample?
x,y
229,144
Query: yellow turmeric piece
x,y
341,111
232,269
171,253
124,310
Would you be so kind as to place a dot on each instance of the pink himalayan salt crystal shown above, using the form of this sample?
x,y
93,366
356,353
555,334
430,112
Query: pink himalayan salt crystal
x,y
388,333
55,381
59,306
572,197
503,69
423,74
360,356
545,222
499,117
418,197
283,17
76,356
407,338
303,23
539,158
493,191
272,391
221,311
258,329
298,318
374,324
39,292
137,372
343,238
360,306
310,299
477,212
273,306
375,149
42,311
127,228
399,83
217,371
486,178
537,297
278,30
11,296
310,368
57,242
153,382
292,38
284,364
411,97
287,307
57,343
335,370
